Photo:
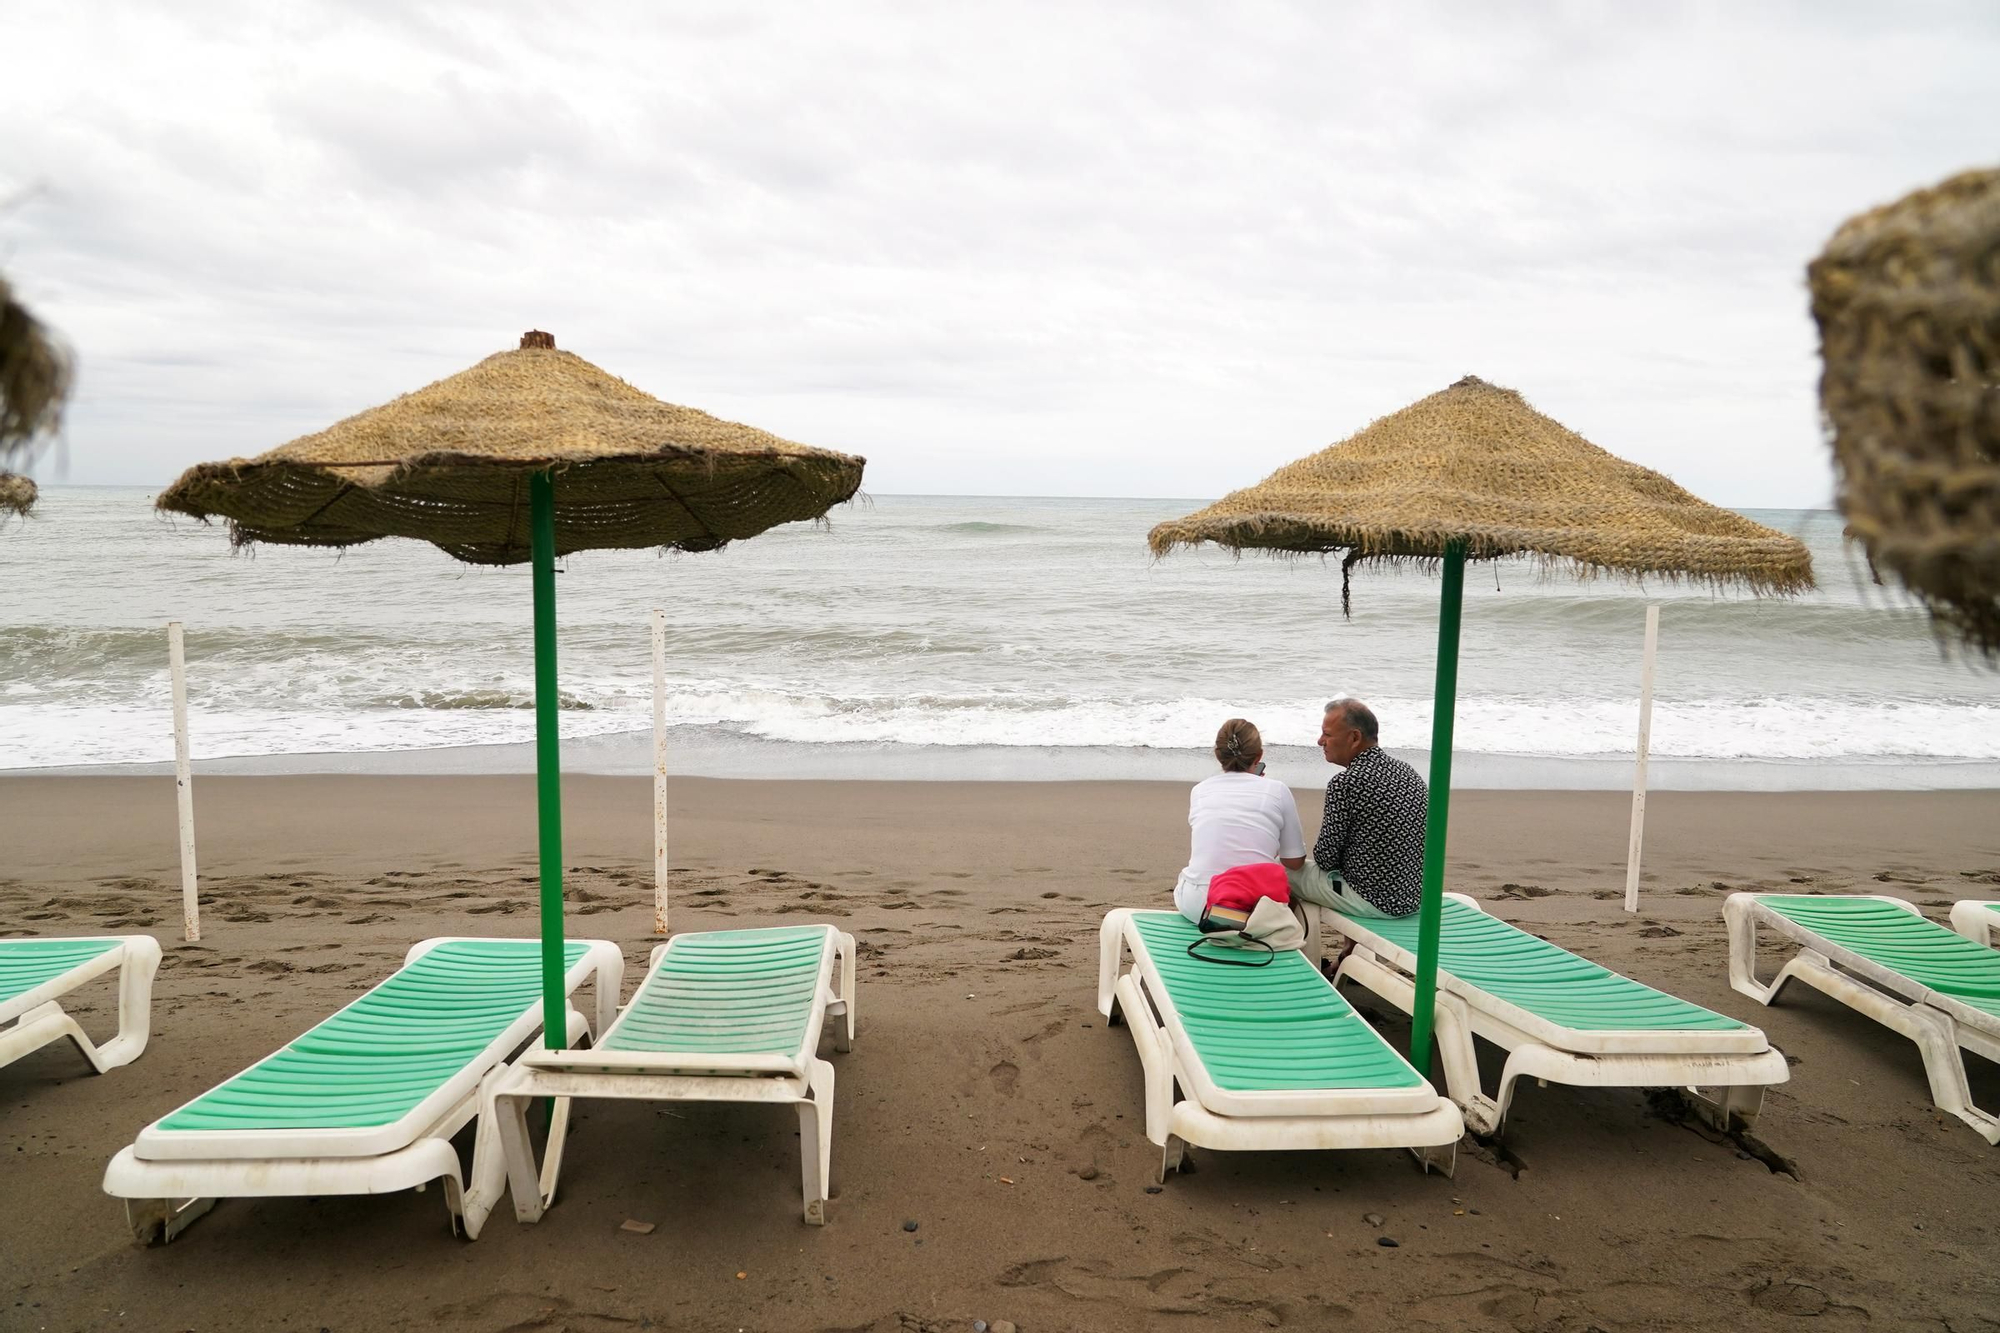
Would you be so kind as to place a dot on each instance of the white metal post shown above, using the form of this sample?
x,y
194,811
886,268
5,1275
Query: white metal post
x,y
659,771
183,783
1639,769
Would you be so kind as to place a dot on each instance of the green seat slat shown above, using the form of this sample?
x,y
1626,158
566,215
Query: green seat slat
x,y
730,992
371,1063
1267,1029
26,964
1545,979
1933,957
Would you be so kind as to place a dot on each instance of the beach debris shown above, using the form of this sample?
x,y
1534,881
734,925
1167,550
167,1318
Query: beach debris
x,y
1388,1242
1658,933
634,1225
1001,1326
1087,1173
910,1225
1154,1189
1006,1180
1372,1219
979,1326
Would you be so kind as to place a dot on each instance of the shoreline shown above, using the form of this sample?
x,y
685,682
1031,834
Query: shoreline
x,y
712,753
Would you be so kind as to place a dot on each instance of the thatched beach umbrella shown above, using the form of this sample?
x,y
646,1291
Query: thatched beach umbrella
x,y
34,378
17,494
528,455
1474,473
1908,303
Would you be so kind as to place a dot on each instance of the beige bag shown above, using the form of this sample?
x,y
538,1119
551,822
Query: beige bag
x,y
1271,930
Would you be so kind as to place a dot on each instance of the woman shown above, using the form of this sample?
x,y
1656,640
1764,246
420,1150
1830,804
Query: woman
x,y
1238,817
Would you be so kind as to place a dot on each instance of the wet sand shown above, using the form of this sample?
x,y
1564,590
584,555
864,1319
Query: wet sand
x,y
984,1100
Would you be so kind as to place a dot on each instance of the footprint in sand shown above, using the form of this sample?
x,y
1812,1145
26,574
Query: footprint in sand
x,y
1004,1075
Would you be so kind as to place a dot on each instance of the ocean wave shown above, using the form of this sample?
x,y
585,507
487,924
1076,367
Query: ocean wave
x,y
479,699
1762,729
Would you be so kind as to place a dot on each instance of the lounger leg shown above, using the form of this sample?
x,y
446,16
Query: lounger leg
x,y
135,1005
38,1027
843,1035
507,1108
1156,1057
1110,953
157,1221
1731,1109
816,1140
1740,916
1172,1156
476,1202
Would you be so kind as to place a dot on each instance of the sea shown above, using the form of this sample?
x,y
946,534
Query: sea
x,y
952,637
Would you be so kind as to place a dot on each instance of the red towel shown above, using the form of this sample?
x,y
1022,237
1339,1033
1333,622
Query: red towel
x,y
1239,887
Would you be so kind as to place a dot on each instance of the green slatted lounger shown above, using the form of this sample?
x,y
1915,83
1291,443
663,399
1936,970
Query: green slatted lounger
x,y
722,1016
1265,1058
1881,957
1975,918
1559,1017
366,1102
35,974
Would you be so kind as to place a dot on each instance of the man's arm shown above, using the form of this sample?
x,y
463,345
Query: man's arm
x,y
1332,840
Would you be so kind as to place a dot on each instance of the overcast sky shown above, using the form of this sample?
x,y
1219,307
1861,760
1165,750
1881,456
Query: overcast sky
x,y
1147,249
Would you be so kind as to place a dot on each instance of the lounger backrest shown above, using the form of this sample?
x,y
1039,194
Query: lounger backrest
x,y
730,992
26,965
378,1059
1545,979
1934,959
1267,1029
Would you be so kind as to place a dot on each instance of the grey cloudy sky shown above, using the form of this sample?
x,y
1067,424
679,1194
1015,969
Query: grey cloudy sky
x,y
1138,249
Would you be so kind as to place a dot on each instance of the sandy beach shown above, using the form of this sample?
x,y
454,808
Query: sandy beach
x,y
985,1100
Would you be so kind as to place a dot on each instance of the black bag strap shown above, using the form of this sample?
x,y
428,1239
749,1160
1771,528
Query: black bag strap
x,y
1265,961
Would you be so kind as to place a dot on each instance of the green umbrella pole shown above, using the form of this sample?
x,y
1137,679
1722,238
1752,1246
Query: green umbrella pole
x,y
1432,912
548,759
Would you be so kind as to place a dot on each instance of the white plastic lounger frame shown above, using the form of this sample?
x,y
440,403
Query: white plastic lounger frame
x,y
39,1019
798,1077
1976,919
1938,1024
1206,1116
168,1179
1738,1064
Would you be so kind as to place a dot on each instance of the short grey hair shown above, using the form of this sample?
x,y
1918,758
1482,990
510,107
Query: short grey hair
x,y
1357,715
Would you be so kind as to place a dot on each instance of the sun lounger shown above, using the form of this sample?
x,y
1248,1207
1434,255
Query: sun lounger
x,y
367,1101
1264,1058
722,1016
36,973
1975,918
1881,957
1559,1017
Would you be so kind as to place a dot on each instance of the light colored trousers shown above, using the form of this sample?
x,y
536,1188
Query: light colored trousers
x,y
1316,886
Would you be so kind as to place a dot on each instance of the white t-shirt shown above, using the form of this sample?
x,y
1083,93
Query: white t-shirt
x,y
1238,819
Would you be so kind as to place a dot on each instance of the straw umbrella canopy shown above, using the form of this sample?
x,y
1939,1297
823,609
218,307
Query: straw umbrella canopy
x,y
1908,303
17,494
1475,473
34,378
527,455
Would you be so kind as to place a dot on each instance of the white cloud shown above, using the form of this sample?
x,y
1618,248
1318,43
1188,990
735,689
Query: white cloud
x,y
1047,248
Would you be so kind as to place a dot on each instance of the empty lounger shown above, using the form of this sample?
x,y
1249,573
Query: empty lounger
x,y
1560,1018
1880,956
367,1101
722,1016
36,973
1975,919
1265,1058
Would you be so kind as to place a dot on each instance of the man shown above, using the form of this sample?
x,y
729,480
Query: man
x,y
1369,858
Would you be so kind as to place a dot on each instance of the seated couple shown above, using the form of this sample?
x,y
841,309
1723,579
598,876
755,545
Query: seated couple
x,y
1369,857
